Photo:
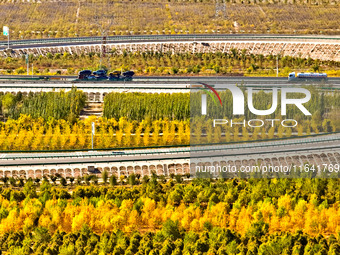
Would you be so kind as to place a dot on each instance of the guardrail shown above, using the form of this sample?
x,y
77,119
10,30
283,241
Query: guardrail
x,y
143,38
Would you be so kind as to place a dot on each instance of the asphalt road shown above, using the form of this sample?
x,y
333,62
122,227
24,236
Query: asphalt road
x,y
301,145
157,81
51,42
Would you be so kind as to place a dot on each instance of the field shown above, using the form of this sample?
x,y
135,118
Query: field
x,y
169,216
46,19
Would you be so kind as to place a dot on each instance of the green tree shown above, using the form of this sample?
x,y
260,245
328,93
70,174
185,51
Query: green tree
x,y
8,103
113,180
29,189
132,179
63,181
170,230
105,176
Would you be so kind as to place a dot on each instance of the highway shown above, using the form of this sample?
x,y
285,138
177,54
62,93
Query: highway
x,y
97,90
53,42
324,48
153,82
228,151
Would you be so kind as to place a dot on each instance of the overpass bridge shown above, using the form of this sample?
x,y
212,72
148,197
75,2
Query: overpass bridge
x,y
315,47
321,150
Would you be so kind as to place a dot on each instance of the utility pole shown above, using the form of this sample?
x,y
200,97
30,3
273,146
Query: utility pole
x,y
220,7
27,62
277,65
104,22
93,131
103,49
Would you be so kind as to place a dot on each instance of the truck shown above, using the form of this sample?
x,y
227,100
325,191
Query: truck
x,y
116,76
300,77
86,75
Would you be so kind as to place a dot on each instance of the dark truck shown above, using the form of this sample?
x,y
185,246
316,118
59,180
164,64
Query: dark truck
x,y
116,76
86,75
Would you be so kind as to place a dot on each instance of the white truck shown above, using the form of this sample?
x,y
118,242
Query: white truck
x,y
292,77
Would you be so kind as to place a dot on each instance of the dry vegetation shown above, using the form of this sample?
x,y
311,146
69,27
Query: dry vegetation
x,y
156,63
45,19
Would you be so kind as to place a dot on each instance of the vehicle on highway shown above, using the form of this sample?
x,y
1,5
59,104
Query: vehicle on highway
x,y
102,77
91,77
85,75
114,76
100,73
129,73
118,153
292,77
